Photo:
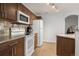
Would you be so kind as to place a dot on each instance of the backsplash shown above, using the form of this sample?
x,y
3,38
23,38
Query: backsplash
x,y
11,30
17,30
4,28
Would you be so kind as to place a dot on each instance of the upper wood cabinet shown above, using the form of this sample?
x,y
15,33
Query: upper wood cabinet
x,y
8,11
11,11
22,8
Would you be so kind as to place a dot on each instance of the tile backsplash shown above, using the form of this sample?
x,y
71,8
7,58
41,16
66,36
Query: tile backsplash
x,y
17,30
4,28
8,29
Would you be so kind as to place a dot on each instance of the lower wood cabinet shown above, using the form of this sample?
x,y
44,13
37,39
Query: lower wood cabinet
x,y
35,40
5,51
12,48
65,46
20,47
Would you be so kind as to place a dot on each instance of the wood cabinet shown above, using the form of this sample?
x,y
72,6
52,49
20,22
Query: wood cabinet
x,y
20,47
1,10
65,46
5,50
22,8
9,11
12,48
8,48
35,40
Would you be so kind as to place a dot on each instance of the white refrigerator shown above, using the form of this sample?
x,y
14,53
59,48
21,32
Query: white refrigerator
x,y
38,28
77,43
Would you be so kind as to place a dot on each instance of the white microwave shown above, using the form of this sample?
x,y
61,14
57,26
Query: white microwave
x,y
23,18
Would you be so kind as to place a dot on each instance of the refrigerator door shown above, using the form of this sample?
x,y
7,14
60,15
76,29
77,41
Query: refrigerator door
x,y
77,44
35,26
38,28
41,37
41,24
41,33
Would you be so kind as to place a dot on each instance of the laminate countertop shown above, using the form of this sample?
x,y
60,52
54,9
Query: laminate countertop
x,y
67,35
7,38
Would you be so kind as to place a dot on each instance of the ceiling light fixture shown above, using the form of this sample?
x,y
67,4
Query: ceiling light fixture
x,y
53,6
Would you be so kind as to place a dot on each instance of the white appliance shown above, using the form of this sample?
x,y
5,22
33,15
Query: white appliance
x,y
29,45
22,18
77,43
38,28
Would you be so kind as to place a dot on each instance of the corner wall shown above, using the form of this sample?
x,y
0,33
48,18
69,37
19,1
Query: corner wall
x,y
54,23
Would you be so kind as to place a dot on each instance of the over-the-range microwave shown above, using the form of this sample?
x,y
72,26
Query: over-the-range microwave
x,y
23,18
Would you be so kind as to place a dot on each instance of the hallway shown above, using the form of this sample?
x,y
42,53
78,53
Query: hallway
x,y
48,49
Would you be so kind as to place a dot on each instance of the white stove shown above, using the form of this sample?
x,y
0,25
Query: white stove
x,y
29,45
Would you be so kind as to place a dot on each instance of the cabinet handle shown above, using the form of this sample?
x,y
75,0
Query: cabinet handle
x,y
13,50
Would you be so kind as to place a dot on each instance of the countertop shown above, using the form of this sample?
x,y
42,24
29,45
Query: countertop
x,y
7,38
67,35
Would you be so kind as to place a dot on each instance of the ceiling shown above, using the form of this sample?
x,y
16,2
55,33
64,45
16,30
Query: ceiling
x,y
41,8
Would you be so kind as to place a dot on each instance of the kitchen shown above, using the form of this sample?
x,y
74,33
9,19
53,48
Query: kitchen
x,y
22,32
16,29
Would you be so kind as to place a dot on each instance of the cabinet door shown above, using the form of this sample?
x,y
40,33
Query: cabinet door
x,y
68,47
65,46
2,14
35,40
23,9
20,7
20,50
17,47
13,46
5,50
11,11
20,47
59,46
8,11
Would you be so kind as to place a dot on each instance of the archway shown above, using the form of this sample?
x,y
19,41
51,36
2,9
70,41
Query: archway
x,y
71,23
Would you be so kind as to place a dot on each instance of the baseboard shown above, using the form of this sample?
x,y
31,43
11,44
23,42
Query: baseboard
x,y
50,41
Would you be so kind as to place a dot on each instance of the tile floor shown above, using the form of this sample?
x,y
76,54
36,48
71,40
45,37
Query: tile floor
x,y
48,49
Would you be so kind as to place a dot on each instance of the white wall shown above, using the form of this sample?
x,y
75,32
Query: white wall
x,y
54,24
